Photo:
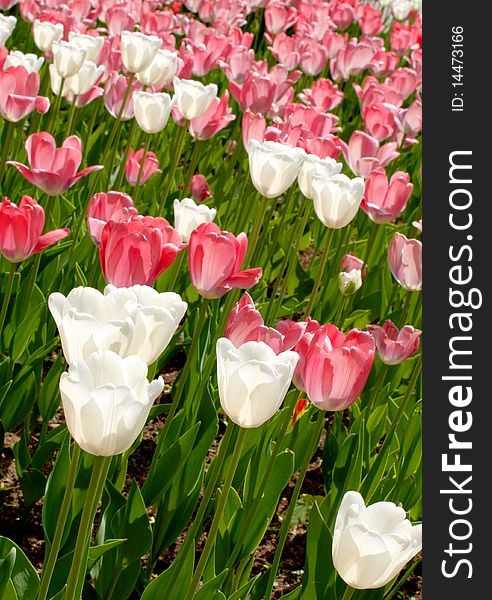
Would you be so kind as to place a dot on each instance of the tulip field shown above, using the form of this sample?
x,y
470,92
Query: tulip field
x,y
210,299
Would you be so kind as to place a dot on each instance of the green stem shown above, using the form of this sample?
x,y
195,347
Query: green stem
x,y
79,562
141,167
121,172
212,534
287,517
370,241
8,293
195,157
56,109
349,592
49,565
71,116
178,265
406,306
260,215
286,208
7,143
324,259
177,145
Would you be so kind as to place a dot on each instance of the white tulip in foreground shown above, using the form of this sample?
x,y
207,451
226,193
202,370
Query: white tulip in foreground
x,y
193,99
336,199
135,320
68,58
313,165
188,216
372,544
106,400
46,33
138,49
161,70
253,380
31,62
152,110
92,44
274,166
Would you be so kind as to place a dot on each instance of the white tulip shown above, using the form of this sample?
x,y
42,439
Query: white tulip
x,y
138,50
161,70
273,166
7,26
135,320
106,400
313,165
188,216
336,199
152,110
30,62
68,58
193,99
349,283
253,380
82,82
91,43
371,545
401,9
46,33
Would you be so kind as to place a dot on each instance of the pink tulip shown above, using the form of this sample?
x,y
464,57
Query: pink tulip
x,y
21,228
114,94
342,12
215,258
313,58
53,170
278,17
403,81
383,63
209,54
215,118
285,51
323,95
238,64
363,153
132,166
383,200
350,262
256,93
19,94
403,37
136,252
372,92
334,42
370,20
379,121
245,324
337,367
405,260
253,126
108,206
352,59
199,188
394,346
329,146
411,118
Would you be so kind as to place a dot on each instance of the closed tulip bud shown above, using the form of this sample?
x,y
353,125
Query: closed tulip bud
x,y
106,400
372,544
393,345
7,26
87,76
132,166
252,380
199,188
336,199
313,165
138,50
405,260
91,43
152,110
68,58
274,166
30,62
161,70
188,216
192,97
134,320
349,282
46,33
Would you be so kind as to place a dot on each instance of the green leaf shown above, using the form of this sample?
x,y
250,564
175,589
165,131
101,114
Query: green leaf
x,y
95,552
25,330
23,576
6,568
33,484
243,592
55,490
173,583
210,591
49,397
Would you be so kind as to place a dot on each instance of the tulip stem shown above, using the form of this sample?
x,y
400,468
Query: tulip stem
x,y
212,534
79,562
324,259
49,565
7,143
370,242
71,116
8,293
121,172
286,208
349,592
406,306
56,108
177,146
260,215
287,517
194,160
141,167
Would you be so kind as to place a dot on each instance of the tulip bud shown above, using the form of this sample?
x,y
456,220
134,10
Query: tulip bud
x,y
372,544
199,188
68,58
132,166
152,110
7,26
129,320
46,33
91,43
188,216
336,199
30,62
405,260
273,166
313,165
138,50
252,380
349,282
161,70
192,97
106,400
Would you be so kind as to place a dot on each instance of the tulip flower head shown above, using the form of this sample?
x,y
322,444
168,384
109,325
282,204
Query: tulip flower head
x,y
188,216
31,62
405,260
46,33
372,544
349,282
383,200
19,95
68,58
7,26
192,97
108,206
132,166
161,70
393,345
253,380
215,258
152,110
53,170
106,400
21,228
129,320
313,165
199,188
138,50
336,199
